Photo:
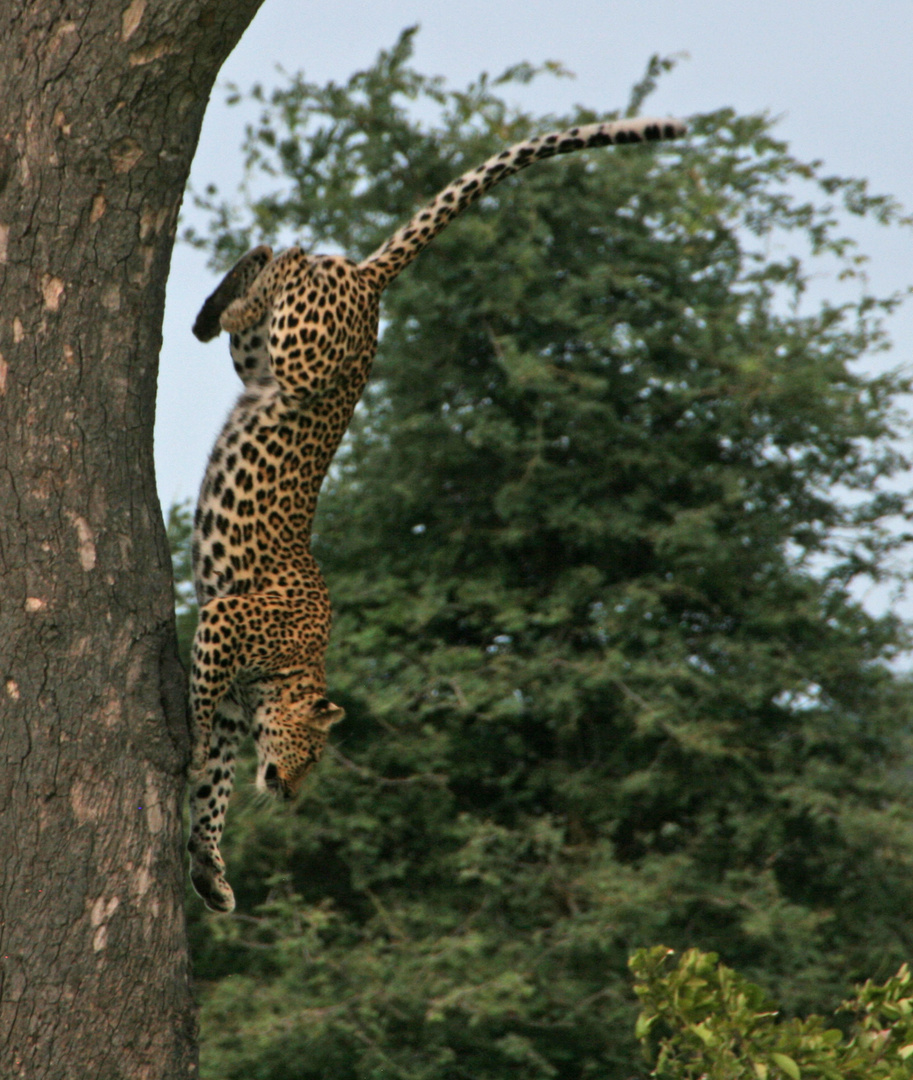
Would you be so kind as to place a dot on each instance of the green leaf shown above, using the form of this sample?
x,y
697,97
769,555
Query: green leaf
x,y
786,1063
704,1033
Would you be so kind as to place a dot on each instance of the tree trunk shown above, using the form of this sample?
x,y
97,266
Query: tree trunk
x,y
102,107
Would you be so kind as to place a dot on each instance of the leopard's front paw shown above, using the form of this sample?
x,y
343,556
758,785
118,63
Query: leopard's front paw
x,y
213,890
207,875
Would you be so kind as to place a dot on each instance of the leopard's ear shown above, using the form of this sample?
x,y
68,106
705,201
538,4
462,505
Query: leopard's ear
x,y
234,285
326,714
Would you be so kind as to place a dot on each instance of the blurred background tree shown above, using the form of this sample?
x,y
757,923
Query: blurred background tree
x,y
591,546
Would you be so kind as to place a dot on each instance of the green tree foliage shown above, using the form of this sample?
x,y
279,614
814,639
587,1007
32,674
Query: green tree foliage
x,y
179,524
719,1026
590,547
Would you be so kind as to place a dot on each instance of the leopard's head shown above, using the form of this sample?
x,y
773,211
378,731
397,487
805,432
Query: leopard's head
x,y
291,734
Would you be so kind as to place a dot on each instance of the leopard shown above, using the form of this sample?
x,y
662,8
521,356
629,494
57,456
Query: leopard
x,y
303,332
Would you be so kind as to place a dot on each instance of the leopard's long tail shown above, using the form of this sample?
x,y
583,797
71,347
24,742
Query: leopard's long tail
x,y
392,257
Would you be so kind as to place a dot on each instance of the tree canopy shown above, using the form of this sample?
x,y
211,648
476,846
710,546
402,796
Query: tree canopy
x,y
591,547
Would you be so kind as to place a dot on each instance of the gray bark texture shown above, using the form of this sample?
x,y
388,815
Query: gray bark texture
x,y
102,107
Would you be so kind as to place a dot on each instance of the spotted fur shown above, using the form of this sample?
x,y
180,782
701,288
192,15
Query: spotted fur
x,y
303,336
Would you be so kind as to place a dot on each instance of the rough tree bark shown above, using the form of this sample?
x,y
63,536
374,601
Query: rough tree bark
x,y
102,106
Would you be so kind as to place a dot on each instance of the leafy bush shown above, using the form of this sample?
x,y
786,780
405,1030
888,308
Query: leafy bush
x,y
702,1021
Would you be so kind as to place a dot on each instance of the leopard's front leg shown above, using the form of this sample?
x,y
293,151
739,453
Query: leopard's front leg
x,y
218,724
210,791
237,639
216,658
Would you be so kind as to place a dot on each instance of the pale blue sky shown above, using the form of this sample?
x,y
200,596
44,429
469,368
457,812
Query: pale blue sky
x,y
838,72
